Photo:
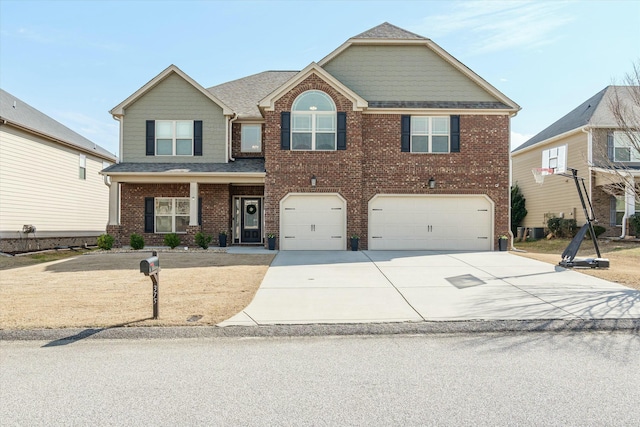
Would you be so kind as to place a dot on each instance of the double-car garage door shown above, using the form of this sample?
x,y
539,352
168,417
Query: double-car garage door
x,y
396,222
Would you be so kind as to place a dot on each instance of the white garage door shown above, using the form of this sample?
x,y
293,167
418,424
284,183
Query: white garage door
x,y
313,222
406,222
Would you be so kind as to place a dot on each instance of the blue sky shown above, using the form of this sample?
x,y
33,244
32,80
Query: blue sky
x,y
75,60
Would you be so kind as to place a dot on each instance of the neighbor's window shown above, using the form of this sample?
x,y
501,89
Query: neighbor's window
x,y
174,137
313,122
620,209
251,136
429,134
172,215
624,149
83,167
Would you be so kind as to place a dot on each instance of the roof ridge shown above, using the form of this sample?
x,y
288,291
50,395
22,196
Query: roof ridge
x,y
389,31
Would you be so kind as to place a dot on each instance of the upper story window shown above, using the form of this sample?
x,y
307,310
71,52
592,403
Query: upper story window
x,y
83,167
251,138
429,134
313,122
624,149
174,137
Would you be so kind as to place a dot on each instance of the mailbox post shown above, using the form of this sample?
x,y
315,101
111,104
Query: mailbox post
x,y
151,267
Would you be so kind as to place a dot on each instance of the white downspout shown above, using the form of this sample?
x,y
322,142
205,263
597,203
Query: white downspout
x,y
230,137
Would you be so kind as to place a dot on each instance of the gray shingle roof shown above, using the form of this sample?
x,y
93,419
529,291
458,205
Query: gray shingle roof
x,y
243,95
239,166
593,112
389,31
27,117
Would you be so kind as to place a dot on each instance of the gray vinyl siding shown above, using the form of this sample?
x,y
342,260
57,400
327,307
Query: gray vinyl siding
x,y
403,73
174,99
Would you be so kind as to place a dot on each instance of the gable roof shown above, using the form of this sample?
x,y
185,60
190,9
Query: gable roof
x,y
388,34
18,113
243,95
118,110
313,68
594,112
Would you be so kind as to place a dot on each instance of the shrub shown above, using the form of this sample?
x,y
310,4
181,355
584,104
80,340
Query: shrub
x,y
172,240
203,240
518,211
598,229
635,223
136,241
105,241
561,227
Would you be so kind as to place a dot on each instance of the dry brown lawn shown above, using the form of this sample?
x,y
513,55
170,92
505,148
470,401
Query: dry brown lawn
x,y
107,290
623,256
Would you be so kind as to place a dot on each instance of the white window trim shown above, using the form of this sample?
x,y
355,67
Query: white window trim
x,y
429,134
259,126
313,131
174,138
173,215
82,171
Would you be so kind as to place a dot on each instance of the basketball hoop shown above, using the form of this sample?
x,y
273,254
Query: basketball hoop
x,y
540,173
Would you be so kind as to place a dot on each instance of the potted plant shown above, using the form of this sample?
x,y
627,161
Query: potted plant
x,y
271,240
354,242
222,238
503,240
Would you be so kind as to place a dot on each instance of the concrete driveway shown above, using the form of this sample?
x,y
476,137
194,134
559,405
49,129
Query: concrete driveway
x,y
303,287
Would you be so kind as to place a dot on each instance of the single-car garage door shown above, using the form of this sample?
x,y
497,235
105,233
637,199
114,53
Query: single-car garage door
x,y
313,222
406,222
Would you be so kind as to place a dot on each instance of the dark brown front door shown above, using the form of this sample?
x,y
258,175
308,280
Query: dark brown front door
x,y
251,220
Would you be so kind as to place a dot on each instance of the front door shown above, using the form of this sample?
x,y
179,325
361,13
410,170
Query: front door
x,y
250,220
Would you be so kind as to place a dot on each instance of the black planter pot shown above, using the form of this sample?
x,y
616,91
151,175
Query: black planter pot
x,y
354,244
502,244
222,238
271,241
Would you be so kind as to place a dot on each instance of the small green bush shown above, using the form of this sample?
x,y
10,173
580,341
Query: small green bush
x,y
561,227
635,224
136,241
105,241
172,240
598,229
203,240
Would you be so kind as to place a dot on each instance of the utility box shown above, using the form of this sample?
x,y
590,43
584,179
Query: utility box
x,y
150,265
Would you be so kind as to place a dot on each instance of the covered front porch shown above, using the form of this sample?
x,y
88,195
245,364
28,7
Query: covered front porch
x,y
616,196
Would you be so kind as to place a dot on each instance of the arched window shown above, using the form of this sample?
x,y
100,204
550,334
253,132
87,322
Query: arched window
x,y
313,124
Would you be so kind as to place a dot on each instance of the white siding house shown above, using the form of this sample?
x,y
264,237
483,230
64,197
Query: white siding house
x,y
49,180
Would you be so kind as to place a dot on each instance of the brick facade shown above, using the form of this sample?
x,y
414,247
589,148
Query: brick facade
x,y
373,163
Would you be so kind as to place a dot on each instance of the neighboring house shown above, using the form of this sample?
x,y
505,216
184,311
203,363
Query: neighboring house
x,y
589,140
388,137
49,181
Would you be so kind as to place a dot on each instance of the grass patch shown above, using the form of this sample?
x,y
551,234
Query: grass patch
x,y
9,262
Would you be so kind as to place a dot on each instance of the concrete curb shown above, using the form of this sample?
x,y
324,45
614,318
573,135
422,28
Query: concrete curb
x,y
67,336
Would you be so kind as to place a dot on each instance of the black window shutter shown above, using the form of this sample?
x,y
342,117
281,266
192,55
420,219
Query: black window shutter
x,y
148,214
454,127
610,152
342,131
285,130
199,210
197,138
405,134
151,137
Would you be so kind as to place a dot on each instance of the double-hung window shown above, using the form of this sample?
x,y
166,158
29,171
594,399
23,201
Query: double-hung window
x,y
624,149
313,117
620,209
251,138
82,173
171,214
174,137
429,134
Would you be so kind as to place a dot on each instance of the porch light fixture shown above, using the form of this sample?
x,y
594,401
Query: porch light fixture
x,y
314,181
432,183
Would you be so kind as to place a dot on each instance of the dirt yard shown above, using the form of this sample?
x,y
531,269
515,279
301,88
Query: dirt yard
x,y
623,256
106,290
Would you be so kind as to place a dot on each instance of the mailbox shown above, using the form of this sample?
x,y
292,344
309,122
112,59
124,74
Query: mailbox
x,y
150,265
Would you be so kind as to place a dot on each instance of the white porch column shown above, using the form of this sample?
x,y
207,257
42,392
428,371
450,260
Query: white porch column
x,y
193,203
629,197
114,204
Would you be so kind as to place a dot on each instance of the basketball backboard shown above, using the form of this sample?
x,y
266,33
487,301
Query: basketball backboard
x,y
554,159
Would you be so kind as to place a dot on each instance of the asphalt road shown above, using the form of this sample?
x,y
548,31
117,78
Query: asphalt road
x,y
541,378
